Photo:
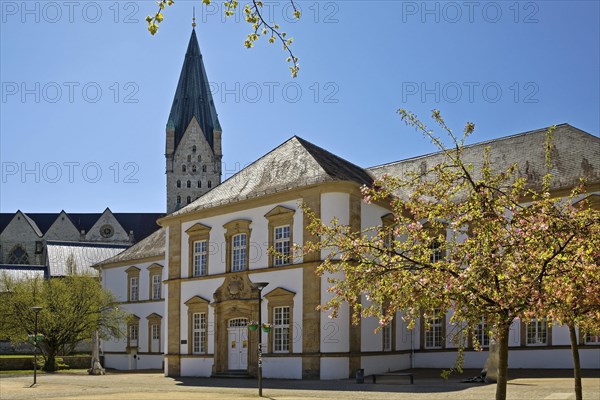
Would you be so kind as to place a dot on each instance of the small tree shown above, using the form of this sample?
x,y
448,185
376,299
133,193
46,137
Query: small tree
x,y
460,238
73,308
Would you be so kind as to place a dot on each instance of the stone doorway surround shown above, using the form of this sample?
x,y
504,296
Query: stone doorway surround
x,y
235,298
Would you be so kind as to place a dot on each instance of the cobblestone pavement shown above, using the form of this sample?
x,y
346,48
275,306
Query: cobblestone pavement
x,y
526,385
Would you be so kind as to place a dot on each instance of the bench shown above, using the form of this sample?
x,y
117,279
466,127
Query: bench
x,y
410,375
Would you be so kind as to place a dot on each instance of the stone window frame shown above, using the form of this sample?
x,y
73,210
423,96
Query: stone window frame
x,y
277,217
133,272
233,228
386,221
422,340
280,297
133,321
525,327
196,305
197,233
154,319
155,270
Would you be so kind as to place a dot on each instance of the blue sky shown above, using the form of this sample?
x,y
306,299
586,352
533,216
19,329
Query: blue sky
x,y
86,91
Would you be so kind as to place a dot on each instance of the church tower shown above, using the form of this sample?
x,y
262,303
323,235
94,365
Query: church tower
x,y
193,147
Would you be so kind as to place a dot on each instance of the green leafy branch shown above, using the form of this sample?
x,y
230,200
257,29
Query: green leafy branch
x,y
253,14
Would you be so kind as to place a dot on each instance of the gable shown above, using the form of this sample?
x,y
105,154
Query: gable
x,y
62,229
107,229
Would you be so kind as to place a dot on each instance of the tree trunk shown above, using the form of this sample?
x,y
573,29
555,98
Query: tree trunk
x,y
503,331
50,364
576,362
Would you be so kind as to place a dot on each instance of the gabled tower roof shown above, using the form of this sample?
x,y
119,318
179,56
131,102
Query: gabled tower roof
x,y
193,97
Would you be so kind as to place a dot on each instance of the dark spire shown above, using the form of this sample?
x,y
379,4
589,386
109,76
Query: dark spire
x,y
193,97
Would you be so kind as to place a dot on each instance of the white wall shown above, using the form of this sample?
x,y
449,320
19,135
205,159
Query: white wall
x,y
384,363
282,367
335,335
196,366
335,367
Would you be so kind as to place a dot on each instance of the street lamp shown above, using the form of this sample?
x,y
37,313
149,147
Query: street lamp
x,y
260,286
36,310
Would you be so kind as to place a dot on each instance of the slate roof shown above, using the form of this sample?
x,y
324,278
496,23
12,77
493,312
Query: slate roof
x,y
142,224
152,246
293,164
576,155
85,254
193,97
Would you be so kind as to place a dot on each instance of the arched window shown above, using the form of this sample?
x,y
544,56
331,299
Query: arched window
x,y
178,183
18,256
189,199
199,157
178,199
189,158
194,168
189,184
199,184
209,184
194,148
183,168
204,168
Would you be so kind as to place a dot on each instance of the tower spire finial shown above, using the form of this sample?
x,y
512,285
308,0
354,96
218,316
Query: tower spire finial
x,y
194,17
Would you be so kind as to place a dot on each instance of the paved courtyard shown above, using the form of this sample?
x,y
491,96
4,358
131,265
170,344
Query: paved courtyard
x,y
526,385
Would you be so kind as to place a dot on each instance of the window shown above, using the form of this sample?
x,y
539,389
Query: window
x,y
178,183
282,245
18,256
199,333
39,249
437,253
197,325
387,336
178,199
189,158
155,332
155,287
194,148
281,329
536,332
199,158
281,220
183,168
194,168
133,334
433,335
134,288
198,242
237,234
189,184
591,339
204,168
199,258
199,184
209,184
189,199
238,253
481,334
133,284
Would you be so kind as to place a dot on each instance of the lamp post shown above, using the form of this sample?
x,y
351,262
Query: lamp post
x,y
260,286
36,310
